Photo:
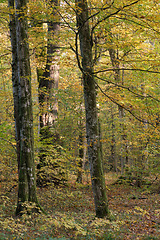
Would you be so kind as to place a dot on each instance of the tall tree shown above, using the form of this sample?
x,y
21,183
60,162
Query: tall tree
x,y
113,141
48,83
48,87
12,27
23,105
118,79
93,140
81,152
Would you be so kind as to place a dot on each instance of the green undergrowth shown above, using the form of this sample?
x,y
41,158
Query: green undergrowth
x,y
71,215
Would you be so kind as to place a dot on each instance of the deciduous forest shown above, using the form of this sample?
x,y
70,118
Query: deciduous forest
x,y
80,119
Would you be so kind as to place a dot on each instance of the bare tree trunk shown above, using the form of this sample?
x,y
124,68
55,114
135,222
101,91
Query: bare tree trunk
x,y
48,103
81,153
48,83
113,143
12,27
81,128
23,106
93,141
116,69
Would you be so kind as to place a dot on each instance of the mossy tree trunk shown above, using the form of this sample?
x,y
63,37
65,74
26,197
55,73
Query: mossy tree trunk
x,y
93,141
23,105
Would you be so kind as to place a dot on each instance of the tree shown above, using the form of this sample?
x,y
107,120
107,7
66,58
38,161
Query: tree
x,y
23,106
123,55
49,169
114,56
80,152
93,140
48,82
12,27
113,141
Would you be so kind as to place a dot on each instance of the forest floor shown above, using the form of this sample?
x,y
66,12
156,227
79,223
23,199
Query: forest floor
x,y
70,213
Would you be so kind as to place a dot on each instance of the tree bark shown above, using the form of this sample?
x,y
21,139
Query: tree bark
x,y
48,86
21,78
48,103
12,27
80,161
116,69
93,141
81,151
113,143
48,83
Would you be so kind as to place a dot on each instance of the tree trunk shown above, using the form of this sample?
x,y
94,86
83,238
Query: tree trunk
x,y
113,143
48,83
12,27
48,102
81,153
93,141
116,69
23,106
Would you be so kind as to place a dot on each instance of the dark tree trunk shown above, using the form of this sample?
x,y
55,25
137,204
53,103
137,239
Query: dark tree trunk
x,y
23,107
80,162
50,170
93,141
12,27
81,151
48,83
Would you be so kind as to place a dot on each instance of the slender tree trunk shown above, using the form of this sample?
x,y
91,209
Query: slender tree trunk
x,y
145,128
81,153
113,144
123,138
81,128
93,141
116,69
21,78
142,157
12,27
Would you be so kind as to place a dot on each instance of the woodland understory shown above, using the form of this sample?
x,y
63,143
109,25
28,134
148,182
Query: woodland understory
x,y
70,212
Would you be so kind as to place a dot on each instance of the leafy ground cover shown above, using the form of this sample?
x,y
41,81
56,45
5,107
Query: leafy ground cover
x,y
70,213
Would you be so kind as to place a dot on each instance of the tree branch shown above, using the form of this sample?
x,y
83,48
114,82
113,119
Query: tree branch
x,y
141,95
9,143
124,107
127,69
112,14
